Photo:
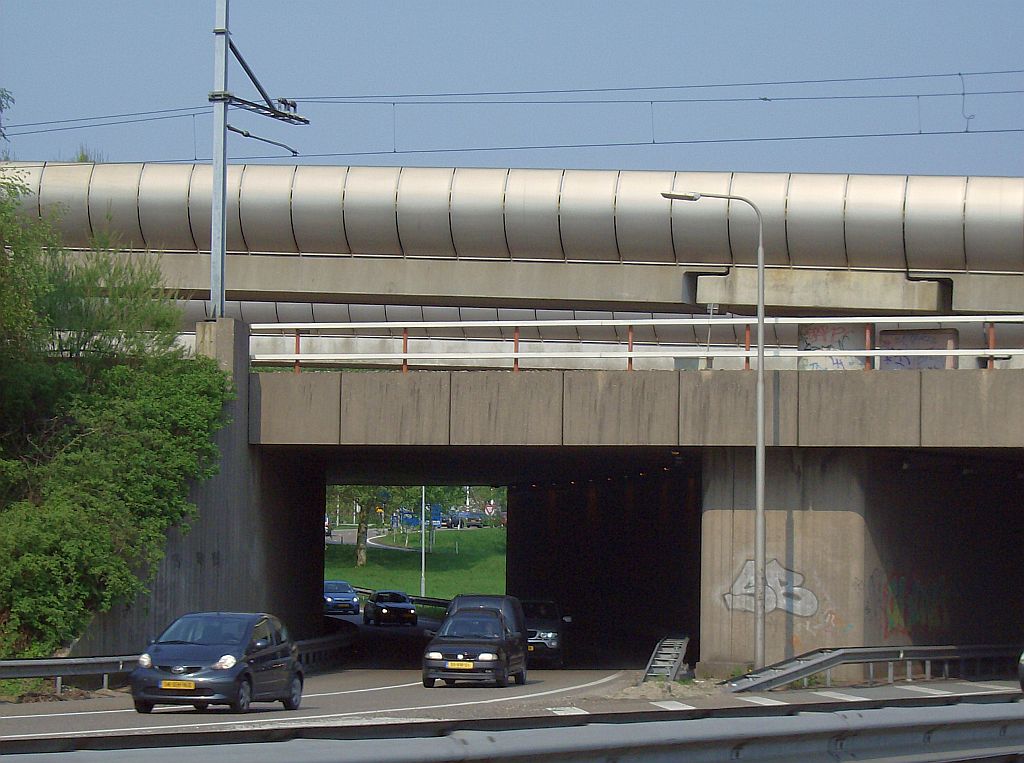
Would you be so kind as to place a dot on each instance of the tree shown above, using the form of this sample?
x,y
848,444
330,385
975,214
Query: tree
x,y
103,425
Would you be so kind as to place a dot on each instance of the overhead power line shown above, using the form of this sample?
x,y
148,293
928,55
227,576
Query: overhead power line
x,y
625,89
626,144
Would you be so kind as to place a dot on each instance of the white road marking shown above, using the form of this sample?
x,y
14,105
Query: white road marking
x,y
994,687
359,691
673,705
292,720
568,711
763,700
925,690
179,708
839,695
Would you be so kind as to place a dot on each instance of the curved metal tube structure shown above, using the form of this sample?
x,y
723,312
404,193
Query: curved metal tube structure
x,y
856,222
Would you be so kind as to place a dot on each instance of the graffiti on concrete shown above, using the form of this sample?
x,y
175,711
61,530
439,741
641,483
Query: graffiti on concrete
x,y
830,336
783,590
912,606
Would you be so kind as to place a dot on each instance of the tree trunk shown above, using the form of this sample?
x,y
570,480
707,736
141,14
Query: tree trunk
x,y
364,521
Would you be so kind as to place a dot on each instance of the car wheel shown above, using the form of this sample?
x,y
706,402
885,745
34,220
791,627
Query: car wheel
x,y
200,706
243,697
376,621
520,677
141,706
366,618
414,621
356,610
428,682
501,679
294,698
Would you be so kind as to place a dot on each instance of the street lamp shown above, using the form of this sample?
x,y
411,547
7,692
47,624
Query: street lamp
x,y
759,525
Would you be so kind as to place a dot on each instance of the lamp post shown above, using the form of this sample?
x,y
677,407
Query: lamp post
x,y
759,524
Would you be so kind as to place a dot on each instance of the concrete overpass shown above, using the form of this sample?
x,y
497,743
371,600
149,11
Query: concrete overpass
x,y
891,502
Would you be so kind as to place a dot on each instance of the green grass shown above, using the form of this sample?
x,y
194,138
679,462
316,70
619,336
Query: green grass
x,y
461,561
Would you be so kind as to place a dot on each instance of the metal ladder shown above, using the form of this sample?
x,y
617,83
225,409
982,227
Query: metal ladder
x,y
667,659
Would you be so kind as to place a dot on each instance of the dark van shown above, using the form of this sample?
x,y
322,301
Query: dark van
x,y
509,606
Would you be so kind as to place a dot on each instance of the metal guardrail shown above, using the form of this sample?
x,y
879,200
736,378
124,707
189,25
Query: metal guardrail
x,y
824,660
629,340
921,730
313,653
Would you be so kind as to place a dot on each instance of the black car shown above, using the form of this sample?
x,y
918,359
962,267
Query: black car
x,y
219,658
545,632
474,645
340,598
389,607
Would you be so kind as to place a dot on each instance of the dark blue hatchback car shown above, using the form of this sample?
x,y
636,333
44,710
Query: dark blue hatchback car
x,y
219,658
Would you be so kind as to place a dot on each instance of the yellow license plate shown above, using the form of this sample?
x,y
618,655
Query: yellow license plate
x,y
460,665
177,684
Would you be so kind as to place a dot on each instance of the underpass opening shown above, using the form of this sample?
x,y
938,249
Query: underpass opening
x,y
612,534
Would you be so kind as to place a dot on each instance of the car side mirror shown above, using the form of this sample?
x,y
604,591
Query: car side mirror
x,y
429,633
567,619
258,645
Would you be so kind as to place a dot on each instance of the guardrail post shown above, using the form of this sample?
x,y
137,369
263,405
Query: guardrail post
x,y
60,685
515,349
891,677
297,350
405,350
871,673
909,678
629,362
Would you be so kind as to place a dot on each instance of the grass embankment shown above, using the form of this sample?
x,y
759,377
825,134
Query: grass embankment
x,y
461,561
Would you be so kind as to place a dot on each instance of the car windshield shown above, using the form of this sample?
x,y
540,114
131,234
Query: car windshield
x,y
205,629
337,586
541,610
471,626
393,598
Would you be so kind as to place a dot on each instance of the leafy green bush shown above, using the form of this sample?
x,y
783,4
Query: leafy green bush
x,y
92,527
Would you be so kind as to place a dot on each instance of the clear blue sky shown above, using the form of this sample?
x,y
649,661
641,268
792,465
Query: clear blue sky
x,y
66,60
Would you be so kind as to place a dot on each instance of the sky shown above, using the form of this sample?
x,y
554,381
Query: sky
x,y
909,87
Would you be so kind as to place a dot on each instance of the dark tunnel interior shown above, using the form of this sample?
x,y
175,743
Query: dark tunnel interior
x,y
611,534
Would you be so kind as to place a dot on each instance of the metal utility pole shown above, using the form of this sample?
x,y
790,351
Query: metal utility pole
x,y
221,98
423,541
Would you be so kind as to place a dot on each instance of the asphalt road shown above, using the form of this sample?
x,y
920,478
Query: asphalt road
x,y
382,685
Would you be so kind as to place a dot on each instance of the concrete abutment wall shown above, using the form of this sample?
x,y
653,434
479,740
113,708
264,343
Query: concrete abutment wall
x,y
257,542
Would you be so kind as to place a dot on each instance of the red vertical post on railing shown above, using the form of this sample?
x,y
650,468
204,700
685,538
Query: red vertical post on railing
x,y
405,350
990,333
629,361
515,349
297,350
746,346
869,344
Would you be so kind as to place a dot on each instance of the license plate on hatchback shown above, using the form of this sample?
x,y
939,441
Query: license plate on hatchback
x,y
177,684
455,665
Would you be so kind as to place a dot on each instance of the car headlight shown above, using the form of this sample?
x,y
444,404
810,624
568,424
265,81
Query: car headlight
x,y
545,635
145,661
328,599
412,611
225,663
383,610
487,656
435,656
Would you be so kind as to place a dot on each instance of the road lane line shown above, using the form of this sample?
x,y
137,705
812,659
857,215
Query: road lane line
x,y
673,705
839,695
292,720
77,713
358,691
568,711
926,690
994,687
763,700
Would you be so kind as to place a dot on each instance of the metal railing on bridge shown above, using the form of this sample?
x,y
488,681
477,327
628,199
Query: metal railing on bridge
x,y
806,343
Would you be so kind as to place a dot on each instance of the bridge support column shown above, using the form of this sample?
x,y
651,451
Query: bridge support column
x,y
865,547
815,552
257,543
